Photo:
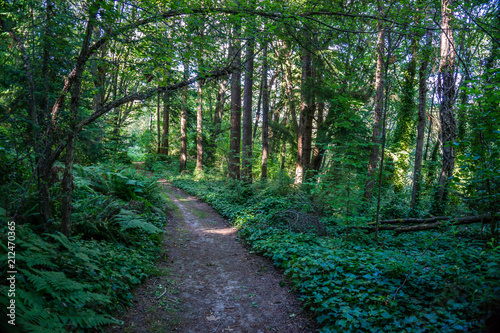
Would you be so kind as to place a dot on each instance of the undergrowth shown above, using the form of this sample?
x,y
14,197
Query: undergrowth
x,y
434,281
78,283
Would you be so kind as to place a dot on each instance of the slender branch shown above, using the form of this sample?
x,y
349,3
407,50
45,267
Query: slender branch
x,y
480,26
136,96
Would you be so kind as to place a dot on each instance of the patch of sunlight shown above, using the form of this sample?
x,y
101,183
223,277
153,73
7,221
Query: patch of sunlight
x,y
225,231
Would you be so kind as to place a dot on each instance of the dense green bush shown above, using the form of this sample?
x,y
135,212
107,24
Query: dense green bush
x,y
77,283
442,281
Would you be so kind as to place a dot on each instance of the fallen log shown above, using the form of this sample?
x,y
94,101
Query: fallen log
x,y
414,220
464,220
428,226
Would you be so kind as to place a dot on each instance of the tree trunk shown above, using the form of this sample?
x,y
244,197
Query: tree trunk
x,y
310,109
67,182
43,173
404,132
67,188
199,129
379,106
436,225
246,171
446,89
183,157
235,132
305,125
273,110
265,115
219,108
289,94
319,148
257,114
99,74
158,127
422,104
283,144
166,124
45,200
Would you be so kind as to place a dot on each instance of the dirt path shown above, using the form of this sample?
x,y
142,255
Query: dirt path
x,y
209,282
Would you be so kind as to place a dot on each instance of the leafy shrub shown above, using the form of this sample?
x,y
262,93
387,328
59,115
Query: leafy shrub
x,y
77,283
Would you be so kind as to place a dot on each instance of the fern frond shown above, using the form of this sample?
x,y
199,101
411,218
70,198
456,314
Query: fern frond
x,y
130,220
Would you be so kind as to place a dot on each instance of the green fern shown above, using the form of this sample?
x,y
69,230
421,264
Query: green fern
x,y
71,284
130,220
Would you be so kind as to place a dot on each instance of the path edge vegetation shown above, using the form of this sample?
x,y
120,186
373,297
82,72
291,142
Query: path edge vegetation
x,y
82,282
443,280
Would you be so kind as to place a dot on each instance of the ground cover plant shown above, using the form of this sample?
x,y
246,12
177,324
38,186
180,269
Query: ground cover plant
x,y
78,283
438,281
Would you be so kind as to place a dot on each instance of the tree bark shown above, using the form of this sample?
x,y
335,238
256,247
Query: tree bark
x,y
67,181
414,220
435,225
319,148
265,115
257,114
422,105
304,137
166,124
199,129
183,156
246,171
404,131
289,93
158,125
283,144
446,89
219,108
379,106
235,131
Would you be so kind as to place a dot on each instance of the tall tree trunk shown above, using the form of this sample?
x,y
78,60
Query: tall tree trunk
x,y
219,108
166,123
379,106
273,109
304,138
246,171
283,144
319,148
67,181
99,74
404,132
199,129
430,130
289,94
43,173
446,89
265,115
235,132
158,125
422,104
183,157
257,115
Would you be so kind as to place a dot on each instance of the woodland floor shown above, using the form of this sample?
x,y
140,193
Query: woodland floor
x,y
209,282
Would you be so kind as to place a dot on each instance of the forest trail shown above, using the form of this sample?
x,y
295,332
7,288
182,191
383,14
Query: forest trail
x,y
210,282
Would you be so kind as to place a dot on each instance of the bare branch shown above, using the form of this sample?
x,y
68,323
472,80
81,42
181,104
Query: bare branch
x,y
136,96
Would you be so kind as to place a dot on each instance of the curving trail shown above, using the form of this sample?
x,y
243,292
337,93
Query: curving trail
x,y
211,281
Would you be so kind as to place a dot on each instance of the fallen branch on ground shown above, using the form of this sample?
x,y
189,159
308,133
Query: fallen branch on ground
x,y
435,225
414,220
